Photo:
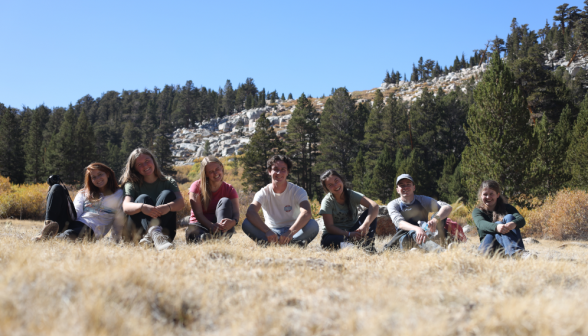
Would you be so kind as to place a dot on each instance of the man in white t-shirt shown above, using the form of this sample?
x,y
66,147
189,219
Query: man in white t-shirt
x,y
285,208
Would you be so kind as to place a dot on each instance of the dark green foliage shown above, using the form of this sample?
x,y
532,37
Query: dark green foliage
x,y
61,152
383,178
451,186
359,173
549,170
577,159
84,146
341,131
501,142
161,147
12,162
376,134
263,144
290,96
301,145
34,148
415,166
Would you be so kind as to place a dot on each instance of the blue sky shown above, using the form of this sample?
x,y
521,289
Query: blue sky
x,y
55,52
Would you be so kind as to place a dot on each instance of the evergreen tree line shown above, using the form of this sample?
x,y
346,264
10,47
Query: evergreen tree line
x,y
35,143
449,142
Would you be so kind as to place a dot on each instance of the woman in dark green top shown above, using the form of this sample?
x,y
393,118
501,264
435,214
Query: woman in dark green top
x,y
151,201
498,223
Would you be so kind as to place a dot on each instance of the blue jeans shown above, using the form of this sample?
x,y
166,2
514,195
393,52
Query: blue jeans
x,y
302,237
510,242
334,241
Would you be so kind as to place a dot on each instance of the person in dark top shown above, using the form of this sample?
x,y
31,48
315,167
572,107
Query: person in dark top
x,y
151,201
498,223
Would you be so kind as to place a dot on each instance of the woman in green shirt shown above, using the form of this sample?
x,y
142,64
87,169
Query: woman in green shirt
x,y
151,201
343,225
498,222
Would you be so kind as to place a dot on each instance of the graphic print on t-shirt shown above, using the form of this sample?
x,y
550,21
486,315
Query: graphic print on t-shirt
x,y
288,208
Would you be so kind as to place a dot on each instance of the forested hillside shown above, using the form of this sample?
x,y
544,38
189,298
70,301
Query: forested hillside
x,y
523,121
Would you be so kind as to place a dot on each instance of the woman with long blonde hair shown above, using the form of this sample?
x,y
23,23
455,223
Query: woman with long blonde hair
x,y
97,207
151,201
214,203
498,223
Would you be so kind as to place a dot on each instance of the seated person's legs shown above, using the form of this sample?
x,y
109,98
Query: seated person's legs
x,y
224,209
512,241
57,207
78,230
167,221
489,245
334,241
254,233
307,233
138,224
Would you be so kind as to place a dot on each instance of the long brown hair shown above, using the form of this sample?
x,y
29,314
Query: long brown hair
x,y
204,187
346,191
130,174
92,192
500,209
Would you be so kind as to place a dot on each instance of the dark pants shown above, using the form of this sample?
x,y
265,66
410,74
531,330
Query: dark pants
x,y
510,243
139,223
334,241
224,209
57,210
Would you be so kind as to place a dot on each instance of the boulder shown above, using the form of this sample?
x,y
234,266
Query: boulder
x,y
385,226
200,152
188,146
228,151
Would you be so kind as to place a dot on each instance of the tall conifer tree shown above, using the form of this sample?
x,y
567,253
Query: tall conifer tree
x,y
577,159
12,162
501,140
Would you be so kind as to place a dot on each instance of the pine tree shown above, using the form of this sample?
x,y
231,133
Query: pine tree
x,y
283,98
34,146
376,134
290,96
206,151
263,144
131,139
301,144
501,140
382,182
162,147
340,125
84,145
61,152
548,169
451,185
359,173
576,158
11,159
148,125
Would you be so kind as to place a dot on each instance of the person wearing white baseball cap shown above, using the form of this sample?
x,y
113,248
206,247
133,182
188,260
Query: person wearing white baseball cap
x,y
407,210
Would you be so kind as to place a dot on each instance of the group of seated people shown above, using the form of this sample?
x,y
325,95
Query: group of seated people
x,y
144,210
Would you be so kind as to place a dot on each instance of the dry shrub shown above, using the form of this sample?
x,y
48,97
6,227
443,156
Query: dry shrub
x,y
563,217
4,184
182,173
22,201
461,213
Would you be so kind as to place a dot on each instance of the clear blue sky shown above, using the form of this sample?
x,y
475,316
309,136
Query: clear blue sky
x,y
55,52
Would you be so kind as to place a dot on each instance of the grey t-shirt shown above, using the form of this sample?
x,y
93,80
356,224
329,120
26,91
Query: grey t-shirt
x,y
417,210
340,212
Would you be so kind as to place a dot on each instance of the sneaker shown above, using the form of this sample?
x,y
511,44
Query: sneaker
x,y
345,245
49,230
146,241
160,240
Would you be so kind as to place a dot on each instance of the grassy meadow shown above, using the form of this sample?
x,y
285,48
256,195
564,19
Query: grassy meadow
x,y
238,288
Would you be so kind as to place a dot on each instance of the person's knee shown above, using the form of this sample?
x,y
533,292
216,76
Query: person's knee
x,y
144,198
224,201
508,218
167,196
246,226
312,227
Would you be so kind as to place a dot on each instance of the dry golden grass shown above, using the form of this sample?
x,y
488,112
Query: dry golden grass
x,y
238,288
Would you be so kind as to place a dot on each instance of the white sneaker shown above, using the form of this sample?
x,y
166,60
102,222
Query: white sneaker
x,y
160,240
146,241
345,245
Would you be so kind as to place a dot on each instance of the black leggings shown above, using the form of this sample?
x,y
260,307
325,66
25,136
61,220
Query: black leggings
x,y
224,209
57,210
139,223
333,241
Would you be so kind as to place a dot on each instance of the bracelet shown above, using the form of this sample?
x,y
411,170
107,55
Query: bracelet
x,y
141,209
170,210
